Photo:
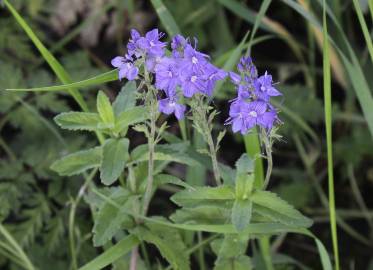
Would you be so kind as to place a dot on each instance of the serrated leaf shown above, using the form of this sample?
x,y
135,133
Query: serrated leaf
x,y
203,214
244,180
78,121
104,108
78,162
163,179
203,195
169,243
110,219
241,213
230,246
270,205
126,99
114,157
130,117
242,262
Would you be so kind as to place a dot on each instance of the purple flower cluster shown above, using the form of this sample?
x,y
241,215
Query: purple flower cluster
x,y
252,105
185,70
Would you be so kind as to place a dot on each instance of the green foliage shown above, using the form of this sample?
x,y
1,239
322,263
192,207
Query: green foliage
x,y
105,109
109,219
78,162
168,242
78,121
114,158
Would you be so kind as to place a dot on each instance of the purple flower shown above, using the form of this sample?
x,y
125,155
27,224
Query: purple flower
x,y
192,83
243,115
178,44
170,106
126,68
193,60
264,88
132,46
235,78
213,74
151,44
167,75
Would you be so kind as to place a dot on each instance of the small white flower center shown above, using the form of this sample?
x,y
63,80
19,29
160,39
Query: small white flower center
x,y
152,43
253,114
169,74
129,65
194,60
193,78
262,88
172,104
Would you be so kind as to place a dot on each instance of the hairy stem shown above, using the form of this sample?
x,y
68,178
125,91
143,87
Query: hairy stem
x,y
268,149
213,154
151,145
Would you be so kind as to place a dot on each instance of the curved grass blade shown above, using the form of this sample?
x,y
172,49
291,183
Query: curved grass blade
x,y
112,254
99,79
328,124
52,61
166,18
57,68
364,28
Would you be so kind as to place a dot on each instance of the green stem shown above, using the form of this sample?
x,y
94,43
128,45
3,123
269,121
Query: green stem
x,y
151,145
74,205
268,149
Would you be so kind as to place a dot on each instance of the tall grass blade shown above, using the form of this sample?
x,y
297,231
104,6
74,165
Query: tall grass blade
x,y
52,61
57,68
350,62
328,125
364,28
166,18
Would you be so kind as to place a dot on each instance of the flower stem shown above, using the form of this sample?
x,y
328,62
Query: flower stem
x,y
213,154
268,148
151,144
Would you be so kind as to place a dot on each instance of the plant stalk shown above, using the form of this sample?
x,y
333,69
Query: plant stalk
x,y
267,145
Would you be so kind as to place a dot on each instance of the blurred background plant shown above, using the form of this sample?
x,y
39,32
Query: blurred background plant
x,y
84,35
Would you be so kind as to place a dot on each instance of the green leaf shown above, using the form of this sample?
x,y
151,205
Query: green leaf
x,y
104,108
169,243
78,162
112,254
270,205
200,195
126,99
202,214
242,262
114,157
241,213
97,80
244,177
110,219
130,117
163,179
78,121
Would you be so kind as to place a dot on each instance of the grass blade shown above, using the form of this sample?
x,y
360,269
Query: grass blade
x,y
112,254
364,28
99,79
328,125
52,61
57,68
166,18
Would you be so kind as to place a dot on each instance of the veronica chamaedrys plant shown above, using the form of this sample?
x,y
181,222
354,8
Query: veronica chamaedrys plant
x,y
178,80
